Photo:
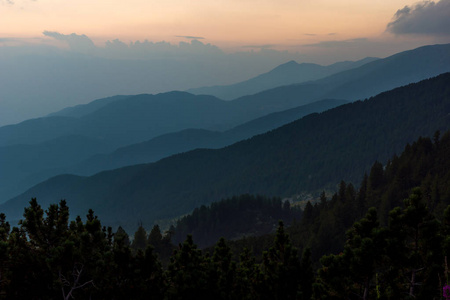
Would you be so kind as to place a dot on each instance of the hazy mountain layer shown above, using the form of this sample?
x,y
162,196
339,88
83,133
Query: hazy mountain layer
x,y
39,80
85,109
26,165
359,83
189,139
120,121
130,120
142,117
285,74
308,154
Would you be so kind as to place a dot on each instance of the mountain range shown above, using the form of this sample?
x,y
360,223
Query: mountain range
x,y
124,130
285,74
26,165
130,119
308,154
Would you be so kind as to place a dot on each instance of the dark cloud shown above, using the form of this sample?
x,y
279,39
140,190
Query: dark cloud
x,y
310,34
190,37
427,17
76,42
332,33
330,44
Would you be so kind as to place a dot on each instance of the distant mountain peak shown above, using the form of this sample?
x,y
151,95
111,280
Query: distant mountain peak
x,y
287,73
292,65
291,62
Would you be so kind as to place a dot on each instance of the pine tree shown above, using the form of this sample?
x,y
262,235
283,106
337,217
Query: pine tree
x,y
187,272
415,248
223,271
155,238
280,269
140,239
121,238
307,276
246,276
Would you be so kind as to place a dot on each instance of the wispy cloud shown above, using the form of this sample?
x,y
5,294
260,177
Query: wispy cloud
x,y
136,50
427,18
310,34
190,37
330,44
14,2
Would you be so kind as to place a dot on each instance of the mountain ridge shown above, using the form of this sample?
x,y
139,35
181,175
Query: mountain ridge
x,y
307,154
288,73
43,160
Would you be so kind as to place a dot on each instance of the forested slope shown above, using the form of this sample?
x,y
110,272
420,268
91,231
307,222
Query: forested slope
x,y
401,258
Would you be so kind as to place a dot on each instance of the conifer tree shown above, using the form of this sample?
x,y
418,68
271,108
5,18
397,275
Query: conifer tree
x,y
246,276
140,239
223,271
307,276
155,238
415,248
280,269
187,272
121,238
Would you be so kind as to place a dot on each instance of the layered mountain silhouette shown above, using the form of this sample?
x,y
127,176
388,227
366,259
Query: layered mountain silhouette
x,y
26,165
85,109
189,139
359,83
138,118
311,153
125,120
285,74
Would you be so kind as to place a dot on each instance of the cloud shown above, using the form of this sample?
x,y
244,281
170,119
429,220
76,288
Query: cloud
x,y
425,18
77,43
155,50
15,2
310,34
190,37
331,44
136,50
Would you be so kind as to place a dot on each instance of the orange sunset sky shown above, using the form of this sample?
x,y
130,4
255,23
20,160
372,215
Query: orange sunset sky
x,y
232,25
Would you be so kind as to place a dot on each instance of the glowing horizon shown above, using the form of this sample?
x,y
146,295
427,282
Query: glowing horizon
x,y
285,25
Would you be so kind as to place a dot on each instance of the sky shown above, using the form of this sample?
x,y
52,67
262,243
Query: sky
x,y
52,52
235,25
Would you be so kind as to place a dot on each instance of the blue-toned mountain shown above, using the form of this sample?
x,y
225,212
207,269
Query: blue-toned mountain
x,y
311,153
285,74
26,165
